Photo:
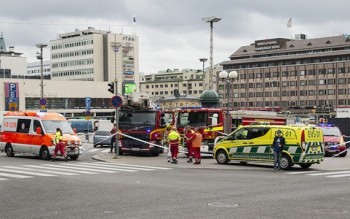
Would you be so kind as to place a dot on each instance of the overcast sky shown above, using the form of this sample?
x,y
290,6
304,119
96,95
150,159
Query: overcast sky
x,y
171,32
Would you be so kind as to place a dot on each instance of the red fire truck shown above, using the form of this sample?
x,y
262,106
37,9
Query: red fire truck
x,y
140,120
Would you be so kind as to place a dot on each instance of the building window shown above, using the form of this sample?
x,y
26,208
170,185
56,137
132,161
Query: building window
x,y
258,75
276,74
321,81
251,85
267,75
341,91
293,73
184,85
302,73
312,92
341,70
165,85
293,93
321,92
267,94
331,91
322,71
147,86
251,94
303,93
331,71
302,83
275,94
312,102
243,86
311,82
293,83
285,74
331,81
251,75
341,102
258,85
284,93
302,102
285,83
156,85
341,80
311,72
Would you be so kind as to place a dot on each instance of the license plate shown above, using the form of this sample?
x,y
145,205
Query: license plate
x,y
135,149
204,148
314,148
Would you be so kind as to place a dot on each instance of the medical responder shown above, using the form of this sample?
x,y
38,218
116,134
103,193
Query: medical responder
x,y
189,136
166,141
196,144
174,141
59,145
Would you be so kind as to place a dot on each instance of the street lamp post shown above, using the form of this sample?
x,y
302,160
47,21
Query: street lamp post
x,y
228,78
211,20
204,78
40,57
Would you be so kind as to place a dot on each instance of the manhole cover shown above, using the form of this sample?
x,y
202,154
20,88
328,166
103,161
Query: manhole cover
x,y
222,205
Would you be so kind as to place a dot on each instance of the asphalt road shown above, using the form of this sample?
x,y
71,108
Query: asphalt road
x,y
162,190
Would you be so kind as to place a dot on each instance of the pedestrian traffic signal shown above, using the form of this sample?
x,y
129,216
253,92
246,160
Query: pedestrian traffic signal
x,y
111,87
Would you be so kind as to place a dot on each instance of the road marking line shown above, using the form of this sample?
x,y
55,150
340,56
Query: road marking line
x,y
124,167
24,172
132,165
71,169
93,150
109,167
106,150
44,171
14,175
337,176
328,173
302,172
84,167
3,179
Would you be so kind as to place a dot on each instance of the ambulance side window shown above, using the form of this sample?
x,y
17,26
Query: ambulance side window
x,y
23,125
36,125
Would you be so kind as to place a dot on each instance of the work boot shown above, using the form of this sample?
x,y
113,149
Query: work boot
x,y
174,161
190,160
53,159
66,159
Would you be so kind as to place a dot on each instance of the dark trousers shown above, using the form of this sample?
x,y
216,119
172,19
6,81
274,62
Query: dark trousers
x,y
112,143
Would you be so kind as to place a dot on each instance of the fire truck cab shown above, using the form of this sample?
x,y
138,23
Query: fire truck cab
x,y
143,125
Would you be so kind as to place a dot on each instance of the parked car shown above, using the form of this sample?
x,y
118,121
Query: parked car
x,y
333,141
102,138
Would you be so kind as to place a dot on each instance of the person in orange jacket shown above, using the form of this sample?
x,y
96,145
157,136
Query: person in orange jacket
x,y
189,136
196,145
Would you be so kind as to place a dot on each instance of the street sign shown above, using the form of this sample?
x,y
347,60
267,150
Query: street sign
x,y
87,113
117,101
42,101
88,103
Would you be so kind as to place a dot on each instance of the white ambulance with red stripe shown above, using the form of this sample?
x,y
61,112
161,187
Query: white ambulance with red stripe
x,y
34,133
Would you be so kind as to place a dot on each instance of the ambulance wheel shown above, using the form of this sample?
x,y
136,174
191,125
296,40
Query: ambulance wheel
x,y
305,165
74,157
9,151
44,153
286,162
221,157
155,152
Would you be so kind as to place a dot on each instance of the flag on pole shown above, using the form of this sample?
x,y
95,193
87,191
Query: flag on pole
x,y
134,19
289,24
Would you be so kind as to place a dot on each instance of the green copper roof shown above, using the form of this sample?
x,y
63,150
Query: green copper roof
x,y
209,96
2,44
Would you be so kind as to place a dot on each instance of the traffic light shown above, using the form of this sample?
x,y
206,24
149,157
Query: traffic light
x,y
111,87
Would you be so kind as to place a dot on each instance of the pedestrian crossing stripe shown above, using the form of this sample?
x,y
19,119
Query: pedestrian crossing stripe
x,y
330,174
70,169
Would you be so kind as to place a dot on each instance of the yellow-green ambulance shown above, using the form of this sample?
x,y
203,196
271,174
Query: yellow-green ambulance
x,y
304,145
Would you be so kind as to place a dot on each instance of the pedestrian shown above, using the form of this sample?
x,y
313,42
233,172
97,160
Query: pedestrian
x,y
277,147
189,136
166,142
174,141
60,146
113,134
196,146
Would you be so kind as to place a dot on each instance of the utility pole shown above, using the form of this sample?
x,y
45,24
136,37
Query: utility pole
x,y
40,57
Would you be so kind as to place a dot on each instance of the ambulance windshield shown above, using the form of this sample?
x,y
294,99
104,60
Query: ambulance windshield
x,y
50,126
